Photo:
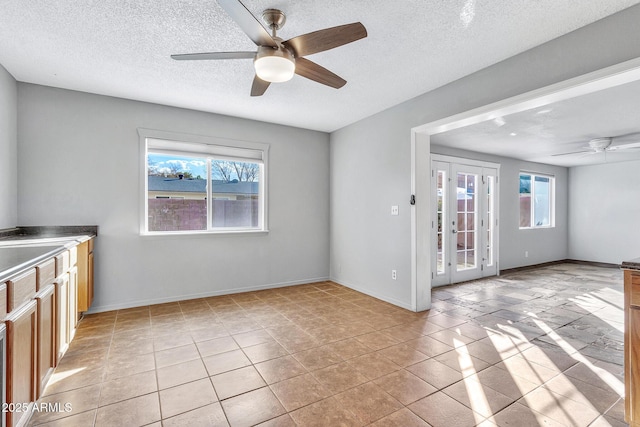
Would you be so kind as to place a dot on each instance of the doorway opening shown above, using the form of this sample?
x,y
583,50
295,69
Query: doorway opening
x,y
423,259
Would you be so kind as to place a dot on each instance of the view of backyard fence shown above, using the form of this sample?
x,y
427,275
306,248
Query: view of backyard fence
x,y
190,214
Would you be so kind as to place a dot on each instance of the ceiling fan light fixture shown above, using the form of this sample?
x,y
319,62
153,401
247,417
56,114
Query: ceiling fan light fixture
x,y
274,65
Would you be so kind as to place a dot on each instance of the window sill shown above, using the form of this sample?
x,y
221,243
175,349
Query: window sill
x,y
179,234
538,228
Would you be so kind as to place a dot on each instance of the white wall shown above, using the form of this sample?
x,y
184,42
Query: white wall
x,y
79,163
604,212
371,169
8,150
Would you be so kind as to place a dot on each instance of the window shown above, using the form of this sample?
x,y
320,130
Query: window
x,y
537,198
198,184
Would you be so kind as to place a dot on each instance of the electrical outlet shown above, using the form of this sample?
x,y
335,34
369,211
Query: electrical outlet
x,y
394,276
526,254
394,210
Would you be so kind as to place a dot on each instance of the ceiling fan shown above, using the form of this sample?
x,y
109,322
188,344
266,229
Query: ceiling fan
x,y
603,145
277,60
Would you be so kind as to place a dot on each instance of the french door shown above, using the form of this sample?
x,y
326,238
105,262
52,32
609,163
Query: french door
x,y
465,222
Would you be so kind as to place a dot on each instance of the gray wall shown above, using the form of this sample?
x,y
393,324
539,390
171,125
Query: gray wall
x,y
370,167
370,163
604,212
8,150
79,164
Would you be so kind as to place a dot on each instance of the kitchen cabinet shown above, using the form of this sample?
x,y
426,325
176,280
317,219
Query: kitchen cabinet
x,y
632,342
43,291
21,361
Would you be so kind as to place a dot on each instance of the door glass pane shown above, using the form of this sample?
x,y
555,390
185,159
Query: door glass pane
x,y
441,192
466,216
471,221
490,221
471,259
470,240
461,261
462,223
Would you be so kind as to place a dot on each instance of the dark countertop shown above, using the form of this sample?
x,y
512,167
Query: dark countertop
x,y
633,264
48,231
25,247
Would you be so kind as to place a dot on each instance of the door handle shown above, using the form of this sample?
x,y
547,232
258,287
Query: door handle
x,y
454,231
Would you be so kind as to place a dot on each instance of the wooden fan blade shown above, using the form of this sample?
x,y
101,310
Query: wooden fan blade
x,y
319,41
317,73
213,55
259,86
247,22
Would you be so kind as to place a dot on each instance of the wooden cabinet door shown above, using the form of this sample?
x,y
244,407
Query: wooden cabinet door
x,y
90,281
46,335
21,358
85,275
62,315
73,303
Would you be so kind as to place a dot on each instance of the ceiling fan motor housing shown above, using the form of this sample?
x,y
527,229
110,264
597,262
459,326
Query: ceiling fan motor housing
x,y
599,144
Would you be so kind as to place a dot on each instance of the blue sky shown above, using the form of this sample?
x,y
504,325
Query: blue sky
x,y
164,163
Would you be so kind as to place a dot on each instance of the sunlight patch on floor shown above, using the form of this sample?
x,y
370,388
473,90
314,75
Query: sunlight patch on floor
x,y
614,383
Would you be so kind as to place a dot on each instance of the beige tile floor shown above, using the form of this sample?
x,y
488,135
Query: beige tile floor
x,y
539,347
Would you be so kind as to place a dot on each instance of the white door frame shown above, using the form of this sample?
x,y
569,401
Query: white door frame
x,y
615,75
484,167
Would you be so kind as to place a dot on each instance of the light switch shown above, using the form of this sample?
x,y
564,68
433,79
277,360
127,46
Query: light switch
x,y
394,210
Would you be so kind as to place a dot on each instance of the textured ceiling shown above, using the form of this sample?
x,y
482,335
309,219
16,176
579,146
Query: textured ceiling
x,y
540,134
121,48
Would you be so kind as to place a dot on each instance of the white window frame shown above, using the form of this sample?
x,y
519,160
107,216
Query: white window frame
x,y
210,147
552,199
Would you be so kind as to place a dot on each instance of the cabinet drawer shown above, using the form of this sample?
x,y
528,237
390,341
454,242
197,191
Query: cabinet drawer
x,y
21,289
90,245
62,263
45,273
